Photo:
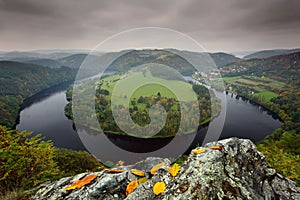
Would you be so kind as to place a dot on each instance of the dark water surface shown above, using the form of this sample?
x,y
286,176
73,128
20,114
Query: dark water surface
x,y
44,113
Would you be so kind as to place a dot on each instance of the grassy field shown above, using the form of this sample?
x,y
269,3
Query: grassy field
x,y
268,95
125,87
152,89
262,87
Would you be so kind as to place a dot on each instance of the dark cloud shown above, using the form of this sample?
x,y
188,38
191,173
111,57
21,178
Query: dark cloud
x,y
229,25
24,7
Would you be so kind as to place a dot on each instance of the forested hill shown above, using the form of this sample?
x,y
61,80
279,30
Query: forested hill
x,y
285,68
19,81
270,53
222,59
182,61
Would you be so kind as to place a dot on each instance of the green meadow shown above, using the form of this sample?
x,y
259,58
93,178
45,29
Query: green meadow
x,y
136,84
262,87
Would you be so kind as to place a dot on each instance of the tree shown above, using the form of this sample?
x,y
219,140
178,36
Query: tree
x,y
133,103
158,96
141,100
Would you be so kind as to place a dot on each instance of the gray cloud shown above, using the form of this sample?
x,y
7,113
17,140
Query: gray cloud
x,y
229,25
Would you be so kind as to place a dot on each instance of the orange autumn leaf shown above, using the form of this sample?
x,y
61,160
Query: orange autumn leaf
x,y
115,171
131,187
80,183
137,172
174,169
159,188
198,151
156,167
218,147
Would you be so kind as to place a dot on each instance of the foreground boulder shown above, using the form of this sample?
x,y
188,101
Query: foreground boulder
x,y
227,169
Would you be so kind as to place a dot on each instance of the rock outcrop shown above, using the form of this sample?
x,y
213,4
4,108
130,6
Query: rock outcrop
x,y
233,169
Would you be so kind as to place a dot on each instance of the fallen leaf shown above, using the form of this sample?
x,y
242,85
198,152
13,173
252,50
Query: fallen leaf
x,y
174,169
156,167
80,183
115,171
159,188
131,187
137,172
71,187
218,147
198,151
143,180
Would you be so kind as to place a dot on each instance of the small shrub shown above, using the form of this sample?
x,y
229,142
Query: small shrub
x,y
72,162
25,162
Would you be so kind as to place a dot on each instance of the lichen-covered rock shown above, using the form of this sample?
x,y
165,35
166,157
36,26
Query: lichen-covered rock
x,y
227,169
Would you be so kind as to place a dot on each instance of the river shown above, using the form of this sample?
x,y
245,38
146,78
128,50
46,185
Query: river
x,y
44,113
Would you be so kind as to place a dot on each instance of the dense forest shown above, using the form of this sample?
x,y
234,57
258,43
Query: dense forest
x,y
20,81
282,147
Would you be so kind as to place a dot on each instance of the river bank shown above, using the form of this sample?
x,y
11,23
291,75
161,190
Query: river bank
x,y
40,96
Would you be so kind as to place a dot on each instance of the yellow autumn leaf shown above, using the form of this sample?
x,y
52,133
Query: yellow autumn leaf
x,y
71,187
137,172
159,188
174,169
143,180
156,167
80,183
198,151
131,187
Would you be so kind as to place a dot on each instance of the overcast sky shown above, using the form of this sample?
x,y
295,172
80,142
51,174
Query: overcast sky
x,y
218,25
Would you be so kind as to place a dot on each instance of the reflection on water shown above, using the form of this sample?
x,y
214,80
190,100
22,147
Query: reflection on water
x,y
44,113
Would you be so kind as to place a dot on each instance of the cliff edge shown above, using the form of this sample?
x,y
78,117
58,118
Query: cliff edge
x,y
226,169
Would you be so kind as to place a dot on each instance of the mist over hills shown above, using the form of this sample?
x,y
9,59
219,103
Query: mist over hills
x,y
74,58
56,59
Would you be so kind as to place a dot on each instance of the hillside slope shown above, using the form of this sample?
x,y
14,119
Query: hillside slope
x,y
285,68
19,81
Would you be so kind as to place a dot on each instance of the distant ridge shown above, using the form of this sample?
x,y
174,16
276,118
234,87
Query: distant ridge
x,y
44,62
222,59
270,53
57,59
